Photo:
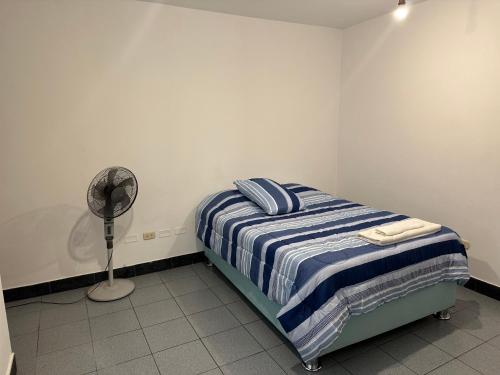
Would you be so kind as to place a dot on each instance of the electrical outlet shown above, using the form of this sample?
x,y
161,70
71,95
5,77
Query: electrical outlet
x,y
164,233
180,230
132,238
149,235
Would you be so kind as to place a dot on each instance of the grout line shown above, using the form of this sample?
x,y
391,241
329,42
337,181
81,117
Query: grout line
x,y
145,338
37,342
90,334
200,339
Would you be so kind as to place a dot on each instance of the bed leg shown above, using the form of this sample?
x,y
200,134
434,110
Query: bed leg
x,y
443,315
210,264
312,365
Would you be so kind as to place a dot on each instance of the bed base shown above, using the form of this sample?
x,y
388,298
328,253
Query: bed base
x,y
434,300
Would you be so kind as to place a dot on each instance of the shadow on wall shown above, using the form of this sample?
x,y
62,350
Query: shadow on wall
x,y
185,243
86,240
60,240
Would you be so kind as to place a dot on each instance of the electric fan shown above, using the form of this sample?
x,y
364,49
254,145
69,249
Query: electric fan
x,y
111,193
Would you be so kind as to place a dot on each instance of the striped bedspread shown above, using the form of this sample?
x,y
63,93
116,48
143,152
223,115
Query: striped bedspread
x,y
313,264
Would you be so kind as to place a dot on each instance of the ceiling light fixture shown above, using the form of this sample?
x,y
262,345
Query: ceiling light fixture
x,y
401,11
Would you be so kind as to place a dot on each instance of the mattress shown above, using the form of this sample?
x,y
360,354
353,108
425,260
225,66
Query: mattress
x,y
313,263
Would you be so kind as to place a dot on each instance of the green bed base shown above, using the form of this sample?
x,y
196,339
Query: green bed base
x,y
389,316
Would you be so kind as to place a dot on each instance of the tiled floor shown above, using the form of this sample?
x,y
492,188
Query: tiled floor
x,y
189,320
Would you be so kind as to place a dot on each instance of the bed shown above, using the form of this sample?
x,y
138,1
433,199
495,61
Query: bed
x,y
316,281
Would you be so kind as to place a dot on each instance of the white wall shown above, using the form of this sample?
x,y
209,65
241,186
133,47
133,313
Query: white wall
x,y
5,348
188,100
420,120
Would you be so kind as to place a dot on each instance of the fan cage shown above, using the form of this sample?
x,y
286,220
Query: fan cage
x,y
96,199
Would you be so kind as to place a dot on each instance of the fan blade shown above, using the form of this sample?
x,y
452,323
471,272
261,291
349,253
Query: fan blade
x,y
118,194
111,175
99,190
124,203
127,182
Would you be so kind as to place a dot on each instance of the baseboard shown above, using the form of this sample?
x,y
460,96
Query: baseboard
x,y
61,285
36,290
12,368
483,287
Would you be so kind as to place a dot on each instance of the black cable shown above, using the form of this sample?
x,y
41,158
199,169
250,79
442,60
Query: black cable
x,y
72,302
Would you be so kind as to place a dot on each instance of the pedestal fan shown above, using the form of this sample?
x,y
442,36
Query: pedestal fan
x,y
111,193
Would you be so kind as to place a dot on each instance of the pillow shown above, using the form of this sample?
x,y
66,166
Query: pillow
x,y
272,197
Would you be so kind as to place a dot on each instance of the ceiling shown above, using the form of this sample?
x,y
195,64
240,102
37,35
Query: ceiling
x,y
331,13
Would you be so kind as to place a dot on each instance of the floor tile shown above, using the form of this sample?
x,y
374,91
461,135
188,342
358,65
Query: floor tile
x,y
213,279
257,364
149,294
226,294
74,361
22,324
25,347
415,353
332,369
482,326
143,366
243,312
285,357
177,273
198,301
186,285
215,371
264,334
100,308
375,361
158,312
448,338
120,348
213,321
230,346
64,336
69,296
478,303
454,367
187,359
495,342
350,351
148,279
62,314
113,324
23,306
169,334
485,358
201,267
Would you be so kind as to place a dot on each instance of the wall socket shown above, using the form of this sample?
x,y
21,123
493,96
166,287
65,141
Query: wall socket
x,y
132,238
180,230
164,233
149,235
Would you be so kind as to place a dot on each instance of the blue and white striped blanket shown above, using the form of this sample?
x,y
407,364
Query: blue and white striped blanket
x,y
313,264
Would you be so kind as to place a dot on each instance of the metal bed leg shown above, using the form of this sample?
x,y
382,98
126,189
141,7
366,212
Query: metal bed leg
x,y
210,264
443,315
312,365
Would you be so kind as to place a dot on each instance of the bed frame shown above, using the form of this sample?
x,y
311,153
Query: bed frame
x,y
436,299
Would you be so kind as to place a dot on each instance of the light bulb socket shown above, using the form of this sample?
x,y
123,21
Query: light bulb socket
x,y
401,2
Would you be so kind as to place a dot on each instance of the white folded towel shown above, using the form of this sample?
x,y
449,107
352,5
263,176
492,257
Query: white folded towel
x,y
400,227
373,236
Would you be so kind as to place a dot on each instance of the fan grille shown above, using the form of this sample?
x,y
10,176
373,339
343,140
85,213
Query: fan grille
x,y
117,182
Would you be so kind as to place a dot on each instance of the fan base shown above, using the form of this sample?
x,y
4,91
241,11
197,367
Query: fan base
x,y
105,292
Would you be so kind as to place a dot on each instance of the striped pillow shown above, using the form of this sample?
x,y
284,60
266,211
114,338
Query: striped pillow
x,y
272,197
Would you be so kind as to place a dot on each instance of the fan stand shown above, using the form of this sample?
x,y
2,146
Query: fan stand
x,y
112,289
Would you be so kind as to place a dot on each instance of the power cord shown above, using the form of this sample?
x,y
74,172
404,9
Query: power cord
x,y
72,302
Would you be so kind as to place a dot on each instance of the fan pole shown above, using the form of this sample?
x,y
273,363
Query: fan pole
x,y
110,267
112,289
109,234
